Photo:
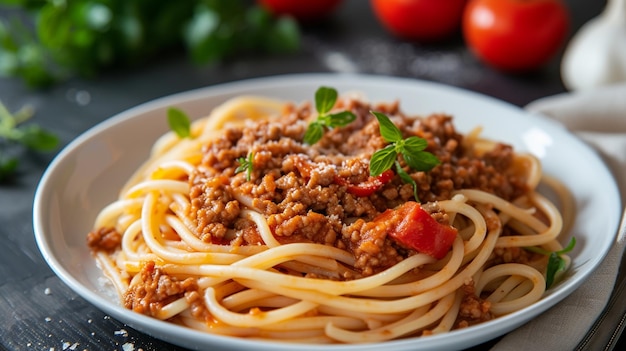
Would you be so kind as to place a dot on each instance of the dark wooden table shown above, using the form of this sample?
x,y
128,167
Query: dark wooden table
x,y
39,312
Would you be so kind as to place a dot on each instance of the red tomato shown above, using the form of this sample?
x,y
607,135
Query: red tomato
x,y
515,35
369,187
420,20
414,228
302,10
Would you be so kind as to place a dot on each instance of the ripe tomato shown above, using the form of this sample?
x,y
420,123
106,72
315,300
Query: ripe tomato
x,y
515,35
420,20
302,10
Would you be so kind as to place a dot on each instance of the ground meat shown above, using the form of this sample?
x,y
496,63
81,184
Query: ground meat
x,y
158,289
473,310
371,247
215,208
303,189
196,305
513,255
104,239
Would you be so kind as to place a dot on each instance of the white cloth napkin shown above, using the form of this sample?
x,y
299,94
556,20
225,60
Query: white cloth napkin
x,y
599,118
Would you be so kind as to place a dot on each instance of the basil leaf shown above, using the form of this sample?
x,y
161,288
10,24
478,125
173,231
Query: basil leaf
x,y
179,122
414,144
555,264
566,249
411,149
313,133
421,161
388,130
325,99
382,160
341,119
569,247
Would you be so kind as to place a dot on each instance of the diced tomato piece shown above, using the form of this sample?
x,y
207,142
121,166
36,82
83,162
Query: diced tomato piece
x,y
368,187
414,228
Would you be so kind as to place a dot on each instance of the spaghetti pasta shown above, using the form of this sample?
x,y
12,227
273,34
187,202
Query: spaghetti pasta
x,y
291,251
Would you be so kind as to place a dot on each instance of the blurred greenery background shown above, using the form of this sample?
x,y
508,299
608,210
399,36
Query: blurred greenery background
x,y
45,41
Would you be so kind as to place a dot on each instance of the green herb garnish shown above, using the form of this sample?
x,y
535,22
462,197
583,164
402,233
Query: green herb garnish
x,y
556,263
31,136
246,164
179,122
411,149
325,99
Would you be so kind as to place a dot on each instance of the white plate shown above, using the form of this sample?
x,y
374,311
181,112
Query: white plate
x,y
88,173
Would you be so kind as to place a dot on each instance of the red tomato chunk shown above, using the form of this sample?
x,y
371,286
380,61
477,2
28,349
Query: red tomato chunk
x,y
369,187
416,229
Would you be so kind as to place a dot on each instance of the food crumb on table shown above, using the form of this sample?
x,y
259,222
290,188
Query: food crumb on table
x,y
122,332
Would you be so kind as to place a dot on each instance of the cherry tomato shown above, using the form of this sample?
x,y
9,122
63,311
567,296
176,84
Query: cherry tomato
x,y
515,35
414,228
420,20
302,10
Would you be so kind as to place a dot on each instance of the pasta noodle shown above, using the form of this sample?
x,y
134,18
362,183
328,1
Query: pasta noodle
x,y
291,251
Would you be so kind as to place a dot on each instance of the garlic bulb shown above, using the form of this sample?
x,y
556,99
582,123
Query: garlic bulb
x,y
596,55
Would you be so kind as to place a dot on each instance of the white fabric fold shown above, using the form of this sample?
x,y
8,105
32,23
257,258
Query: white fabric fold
x,y
599,118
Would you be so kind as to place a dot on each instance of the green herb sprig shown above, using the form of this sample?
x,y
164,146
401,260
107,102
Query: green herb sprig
x,y
246,164
179,122
556,263
51,41
13,131
411,149
325,99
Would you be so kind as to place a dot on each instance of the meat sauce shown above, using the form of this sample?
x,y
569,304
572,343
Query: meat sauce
x,y
295,185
